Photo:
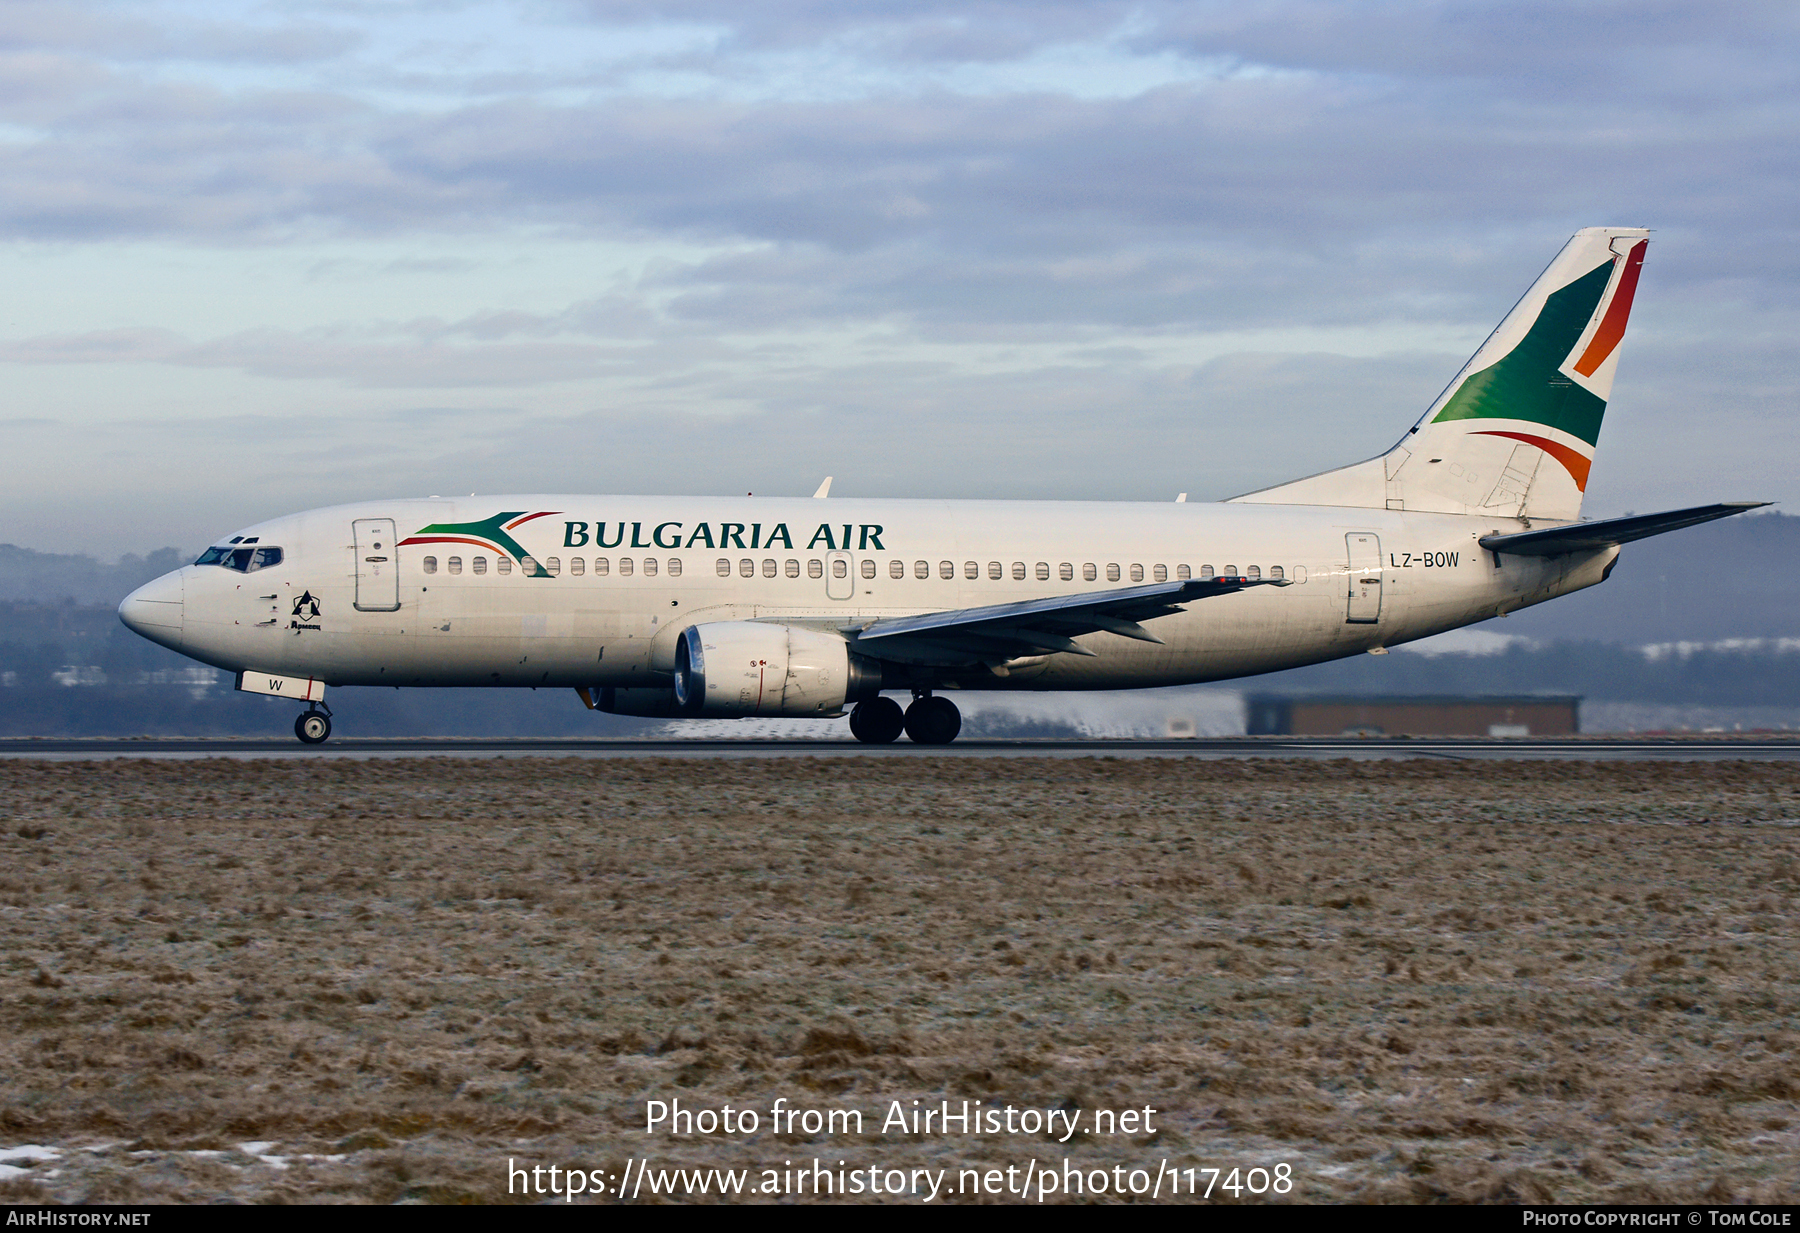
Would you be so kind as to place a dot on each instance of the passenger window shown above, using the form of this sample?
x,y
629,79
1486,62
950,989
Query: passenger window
x,y
971,569
674,567
770,568
478,565
994,570
1206,573
921,569
793,568
503,564
1230,572
430,564
624,567
1160,574
1275,572
601,567
1088,572
453,565
840,568
815,568
1183,573
553,566
1112,573
896,569
1043,571
1137,573
724,568
1018,571
528,566
868,567
649,567
1253,573
947,569
1066,572
747,568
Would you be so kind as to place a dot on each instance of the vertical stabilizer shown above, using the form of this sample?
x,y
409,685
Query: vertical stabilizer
x,y
1514,434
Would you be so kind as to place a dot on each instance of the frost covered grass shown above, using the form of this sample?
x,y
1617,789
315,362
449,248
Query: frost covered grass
x,y
343,980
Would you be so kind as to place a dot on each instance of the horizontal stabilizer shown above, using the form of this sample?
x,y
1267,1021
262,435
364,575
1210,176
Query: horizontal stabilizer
x,y
1610,532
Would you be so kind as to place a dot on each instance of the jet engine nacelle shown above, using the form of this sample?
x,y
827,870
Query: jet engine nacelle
x,y
741,668
647,703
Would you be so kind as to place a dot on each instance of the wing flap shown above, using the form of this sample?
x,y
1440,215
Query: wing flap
x,y
1037,626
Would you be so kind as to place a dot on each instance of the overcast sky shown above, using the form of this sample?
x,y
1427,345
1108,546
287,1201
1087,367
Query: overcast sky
x,y
267,256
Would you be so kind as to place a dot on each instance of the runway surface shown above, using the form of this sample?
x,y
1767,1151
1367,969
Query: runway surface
x,y
1709,749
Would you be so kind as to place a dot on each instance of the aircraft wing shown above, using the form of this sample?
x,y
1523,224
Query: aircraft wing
x,y
1031,627
1610,532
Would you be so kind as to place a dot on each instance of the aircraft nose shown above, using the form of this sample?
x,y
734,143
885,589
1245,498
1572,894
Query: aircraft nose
x,y
155,610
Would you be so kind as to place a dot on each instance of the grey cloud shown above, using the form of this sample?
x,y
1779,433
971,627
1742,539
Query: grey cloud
x,y
491,349
147,33
1252,199
1556,48
928,30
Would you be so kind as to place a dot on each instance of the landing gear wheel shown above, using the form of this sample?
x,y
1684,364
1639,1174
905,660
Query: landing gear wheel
x,y
313,727
877,721
933,721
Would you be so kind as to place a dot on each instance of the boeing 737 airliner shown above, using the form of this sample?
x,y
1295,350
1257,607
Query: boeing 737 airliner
x,y
708,606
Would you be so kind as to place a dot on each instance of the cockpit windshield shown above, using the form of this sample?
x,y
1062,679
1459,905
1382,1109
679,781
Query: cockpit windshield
x,y
243,560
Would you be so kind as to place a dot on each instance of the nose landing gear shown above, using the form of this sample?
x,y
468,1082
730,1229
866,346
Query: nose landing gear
x,y
932,720
313,726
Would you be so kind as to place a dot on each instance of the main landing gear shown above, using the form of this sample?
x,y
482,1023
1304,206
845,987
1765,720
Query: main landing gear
x,y
313,726
877,721
930,720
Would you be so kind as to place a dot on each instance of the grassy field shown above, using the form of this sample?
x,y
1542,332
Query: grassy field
x,y
1405,981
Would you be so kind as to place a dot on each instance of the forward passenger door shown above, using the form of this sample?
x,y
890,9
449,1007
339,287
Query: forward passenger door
x,y
377,565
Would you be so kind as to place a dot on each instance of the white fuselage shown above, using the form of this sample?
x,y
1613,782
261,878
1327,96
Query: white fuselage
x,y
339,610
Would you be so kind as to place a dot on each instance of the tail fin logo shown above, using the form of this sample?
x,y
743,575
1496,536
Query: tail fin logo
x,y
1612,326
1540,380
1574,462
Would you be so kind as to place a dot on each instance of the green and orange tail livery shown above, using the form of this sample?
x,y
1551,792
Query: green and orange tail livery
x,y
489,533
1513,435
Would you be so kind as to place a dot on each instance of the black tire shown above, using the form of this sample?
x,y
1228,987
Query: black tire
x,y
313,727
879,721
933,721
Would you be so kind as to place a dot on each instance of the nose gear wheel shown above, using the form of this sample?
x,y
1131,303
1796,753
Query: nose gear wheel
x,y
313,727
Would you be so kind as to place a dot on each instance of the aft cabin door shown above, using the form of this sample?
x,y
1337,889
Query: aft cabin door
x,y
377,566
1364,578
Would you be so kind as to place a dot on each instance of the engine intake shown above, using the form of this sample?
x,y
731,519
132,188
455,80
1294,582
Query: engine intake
x,y
741,668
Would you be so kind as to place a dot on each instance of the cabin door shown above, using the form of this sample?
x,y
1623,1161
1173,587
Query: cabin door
x,y
840,580
1364,578
377,566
